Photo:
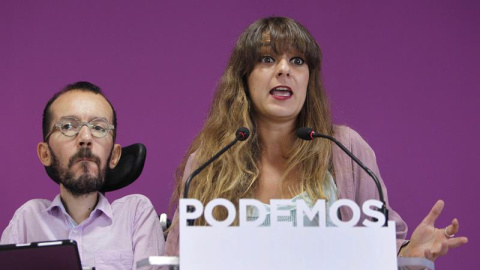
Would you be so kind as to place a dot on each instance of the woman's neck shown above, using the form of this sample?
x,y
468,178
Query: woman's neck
x,y
276,141
275,138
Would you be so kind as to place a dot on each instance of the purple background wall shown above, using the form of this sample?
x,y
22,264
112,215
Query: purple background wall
x,y
403,74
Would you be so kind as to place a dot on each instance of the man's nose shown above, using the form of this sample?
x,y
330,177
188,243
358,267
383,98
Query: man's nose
x,y
84,136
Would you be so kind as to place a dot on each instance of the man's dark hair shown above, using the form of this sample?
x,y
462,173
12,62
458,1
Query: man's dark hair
x,y
78,86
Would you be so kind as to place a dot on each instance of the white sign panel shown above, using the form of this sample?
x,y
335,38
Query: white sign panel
x,y
285,247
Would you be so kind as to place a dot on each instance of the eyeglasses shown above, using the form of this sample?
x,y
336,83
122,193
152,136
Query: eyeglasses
x,y
70,127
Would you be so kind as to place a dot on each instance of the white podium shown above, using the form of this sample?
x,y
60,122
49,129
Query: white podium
x,y
284,245
172,263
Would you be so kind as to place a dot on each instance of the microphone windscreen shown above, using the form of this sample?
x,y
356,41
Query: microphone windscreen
x,y
305,133
242,133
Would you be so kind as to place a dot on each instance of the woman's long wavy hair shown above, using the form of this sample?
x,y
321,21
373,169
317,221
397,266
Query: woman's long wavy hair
x,y
234,175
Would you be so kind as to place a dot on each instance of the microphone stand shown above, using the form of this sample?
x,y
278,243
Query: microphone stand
x,y
302,133
241,135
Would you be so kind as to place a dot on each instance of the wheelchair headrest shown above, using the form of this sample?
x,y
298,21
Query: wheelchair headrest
x,y
128,169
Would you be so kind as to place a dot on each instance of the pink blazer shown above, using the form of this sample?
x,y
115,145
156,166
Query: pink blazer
x,y
352,183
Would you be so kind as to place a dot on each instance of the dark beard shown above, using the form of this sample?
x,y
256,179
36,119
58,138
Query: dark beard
x,y
85,183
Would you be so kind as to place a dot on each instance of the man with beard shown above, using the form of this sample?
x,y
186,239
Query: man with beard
x,y
79,144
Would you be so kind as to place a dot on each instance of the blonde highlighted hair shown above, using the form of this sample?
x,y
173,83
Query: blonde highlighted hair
x,y
234,175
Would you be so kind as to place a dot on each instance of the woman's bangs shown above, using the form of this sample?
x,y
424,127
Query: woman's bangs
x,y
281,41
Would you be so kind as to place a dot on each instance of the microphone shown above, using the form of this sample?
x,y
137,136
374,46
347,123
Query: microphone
x,y
309,134
240,135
